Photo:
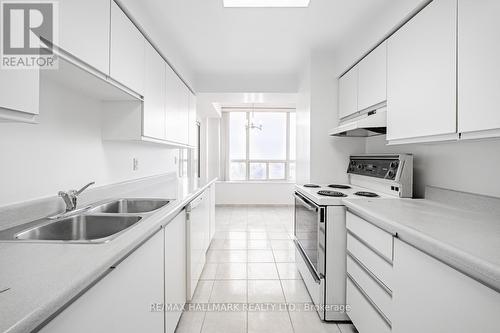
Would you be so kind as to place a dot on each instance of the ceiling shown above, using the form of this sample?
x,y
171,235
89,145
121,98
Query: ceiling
x,y
219,41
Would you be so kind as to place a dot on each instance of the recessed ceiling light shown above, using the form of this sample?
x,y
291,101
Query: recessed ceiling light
x,y
266,3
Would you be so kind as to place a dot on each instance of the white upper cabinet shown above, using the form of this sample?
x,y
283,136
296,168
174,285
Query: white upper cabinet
x,y
177,108
478,70
193,129
84,31
154,95
421,76
19,97
127,51
348,93
372,78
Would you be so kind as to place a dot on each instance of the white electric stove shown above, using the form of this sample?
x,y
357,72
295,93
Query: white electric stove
x,y
320,227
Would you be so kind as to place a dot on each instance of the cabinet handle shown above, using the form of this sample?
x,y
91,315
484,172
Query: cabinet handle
x,y
369,300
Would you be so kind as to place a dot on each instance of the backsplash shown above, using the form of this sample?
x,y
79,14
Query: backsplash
x,y
65,150
468,166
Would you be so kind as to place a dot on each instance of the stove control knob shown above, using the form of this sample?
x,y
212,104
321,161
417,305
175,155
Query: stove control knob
x,y
394,165
391,174
360,166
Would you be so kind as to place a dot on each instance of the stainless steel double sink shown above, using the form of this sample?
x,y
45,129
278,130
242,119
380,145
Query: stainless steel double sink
x,y
98,223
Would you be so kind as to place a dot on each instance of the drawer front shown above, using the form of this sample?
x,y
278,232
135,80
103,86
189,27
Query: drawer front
x,y
382,297
377,265
363,314
376,238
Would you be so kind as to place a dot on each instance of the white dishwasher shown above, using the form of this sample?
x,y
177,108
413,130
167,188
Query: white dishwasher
x,y
197,240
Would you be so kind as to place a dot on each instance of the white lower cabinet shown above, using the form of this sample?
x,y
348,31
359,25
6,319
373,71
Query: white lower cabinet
x,y
175,270
432,297
121,301
212,211
363,313
198,239
424,294
369,275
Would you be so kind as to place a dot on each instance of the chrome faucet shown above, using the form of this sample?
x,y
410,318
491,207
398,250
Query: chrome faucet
x,y
70,197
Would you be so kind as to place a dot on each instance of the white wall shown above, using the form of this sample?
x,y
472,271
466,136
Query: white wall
x,y
470,166
321,158
65,150
235,193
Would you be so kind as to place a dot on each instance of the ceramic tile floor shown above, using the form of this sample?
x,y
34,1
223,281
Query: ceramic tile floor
x,y
251,261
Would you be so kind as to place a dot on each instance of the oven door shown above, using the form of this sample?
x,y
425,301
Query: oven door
x,y
310,235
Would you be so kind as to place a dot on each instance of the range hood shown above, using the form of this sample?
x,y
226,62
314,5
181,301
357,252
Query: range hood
x,y
369,124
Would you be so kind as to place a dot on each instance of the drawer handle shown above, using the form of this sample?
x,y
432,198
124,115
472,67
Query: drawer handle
x,y
369,300
377,252
370,274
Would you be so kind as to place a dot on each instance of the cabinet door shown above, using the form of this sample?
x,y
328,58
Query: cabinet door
x,y
478,71
184,115
421,74
193,129
197,244
121,301
177,105
20,90
127,51
432,297
154,95
84,31
348,93
372,78
212,213
175,269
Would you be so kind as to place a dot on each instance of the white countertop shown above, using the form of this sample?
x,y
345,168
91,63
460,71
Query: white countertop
x,y
467,240
43,277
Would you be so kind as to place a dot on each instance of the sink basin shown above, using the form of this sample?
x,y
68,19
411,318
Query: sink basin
x,y
80,228
130,206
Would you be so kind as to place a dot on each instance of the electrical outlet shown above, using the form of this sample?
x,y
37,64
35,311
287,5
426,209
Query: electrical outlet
x,y
135,164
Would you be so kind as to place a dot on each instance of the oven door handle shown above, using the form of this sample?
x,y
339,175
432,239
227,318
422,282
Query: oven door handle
x,y
317,277
305,203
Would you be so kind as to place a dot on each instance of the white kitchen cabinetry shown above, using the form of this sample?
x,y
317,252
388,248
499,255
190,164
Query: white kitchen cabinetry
x,y
432,297
121,301
177,108
193,129
212,211
478,70
175,269
84,31
372,78
19,98
370,281
348,93
198,239
127,51
421,76
154,95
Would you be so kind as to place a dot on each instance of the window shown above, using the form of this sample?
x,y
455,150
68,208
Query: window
x,y
261,145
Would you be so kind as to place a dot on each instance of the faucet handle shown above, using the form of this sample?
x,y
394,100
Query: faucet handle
x,y
76,193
